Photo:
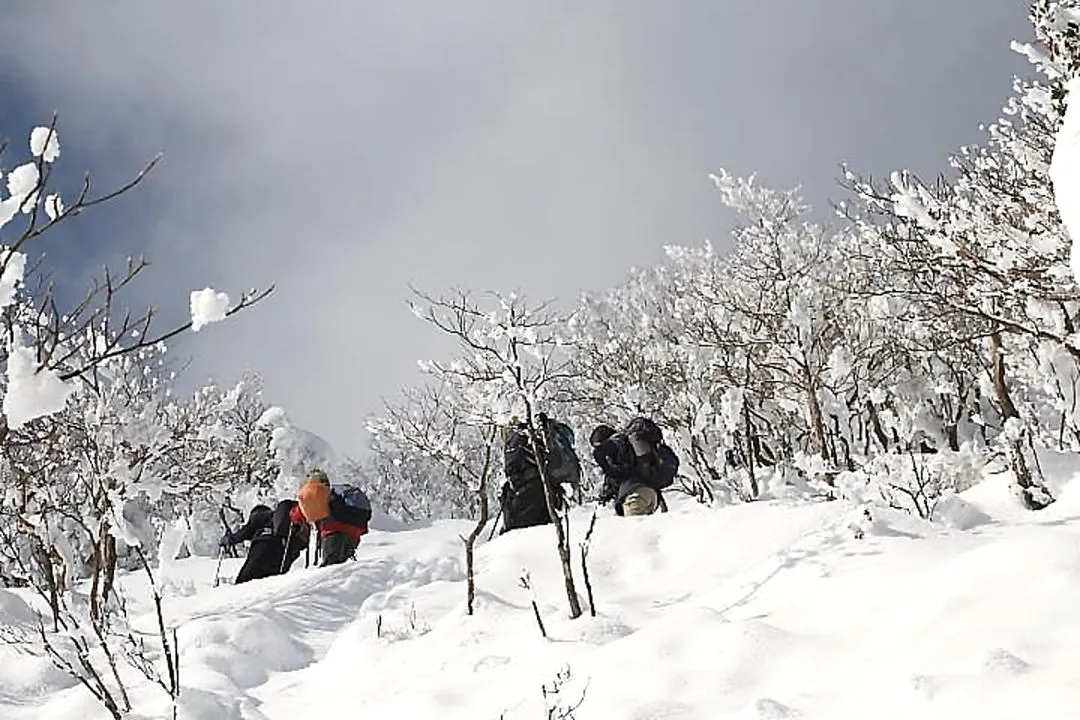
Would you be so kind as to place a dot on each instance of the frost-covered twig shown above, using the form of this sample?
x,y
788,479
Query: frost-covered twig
x,y
525,582
558,708
170,651
584,547
83,670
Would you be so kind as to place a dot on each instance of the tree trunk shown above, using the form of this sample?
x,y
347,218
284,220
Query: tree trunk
x,y
952,425
875,425
703,491
44,561
110,566
751,452
997,375
952,436
817,423
817,417
95,585
470,545
470,576
1033,493
849,463
104,571
557,518
481,521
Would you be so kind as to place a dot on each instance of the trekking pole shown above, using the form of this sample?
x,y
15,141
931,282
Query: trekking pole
x,y
495,524
228,530
285,555
217,570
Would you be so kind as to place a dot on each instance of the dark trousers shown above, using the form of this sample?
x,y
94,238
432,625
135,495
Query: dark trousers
x,y
525,506
295,544
263,559
336,548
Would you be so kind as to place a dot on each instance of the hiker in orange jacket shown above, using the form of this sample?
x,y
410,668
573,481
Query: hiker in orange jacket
x,y
320,505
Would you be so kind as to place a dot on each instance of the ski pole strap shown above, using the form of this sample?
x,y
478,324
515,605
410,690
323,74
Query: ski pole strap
x,y
495,524
285,555
228,530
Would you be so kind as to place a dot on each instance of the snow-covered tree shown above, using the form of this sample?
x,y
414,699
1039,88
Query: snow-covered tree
x,y
430,447
935,319
406,483
222,457
511,362
442,424
981,259
294,451
82,442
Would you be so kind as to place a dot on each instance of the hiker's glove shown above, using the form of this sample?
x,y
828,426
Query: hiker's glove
x,y
226,541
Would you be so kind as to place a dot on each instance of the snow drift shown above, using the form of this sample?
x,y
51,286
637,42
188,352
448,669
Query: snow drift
x,y
776,609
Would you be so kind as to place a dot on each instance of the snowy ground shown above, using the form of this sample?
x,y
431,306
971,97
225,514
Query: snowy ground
x,y
765,611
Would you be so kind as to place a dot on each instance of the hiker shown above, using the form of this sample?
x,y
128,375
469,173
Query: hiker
x,y
522,497
264,556
564,466
637,466
294,533
340,513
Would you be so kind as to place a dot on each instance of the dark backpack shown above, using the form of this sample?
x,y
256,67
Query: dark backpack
x,y
564,465
518,459
349,504
657,464
660,467
282,525
644,435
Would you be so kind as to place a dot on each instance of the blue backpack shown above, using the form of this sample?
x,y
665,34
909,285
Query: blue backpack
x,y
349,504
563,462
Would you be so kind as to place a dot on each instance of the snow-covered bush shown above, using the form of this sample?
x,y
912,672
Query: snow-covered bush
x,y
87,454
913,481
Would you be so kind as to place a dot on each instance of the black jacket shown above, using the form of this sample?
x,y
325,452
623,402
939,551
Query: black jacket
x,y
519,461
259,527
522,498
624,472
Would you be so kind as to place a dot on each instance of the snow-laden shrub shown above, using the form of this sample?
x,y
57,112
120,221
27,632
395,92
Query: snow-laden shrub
x,y
913,482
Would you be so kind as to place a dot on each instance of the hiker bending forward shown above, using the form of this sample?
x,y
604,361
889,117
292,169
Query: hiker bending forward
x,y
636,464
340,523
268,536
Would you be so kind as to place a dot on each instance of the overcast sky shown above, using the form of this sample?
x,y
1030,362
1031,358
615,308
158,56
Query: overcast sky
x,y
346,149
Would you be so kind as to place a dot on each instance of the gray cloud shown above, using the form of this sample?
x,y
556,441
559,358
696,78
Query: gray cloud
x,y
344,150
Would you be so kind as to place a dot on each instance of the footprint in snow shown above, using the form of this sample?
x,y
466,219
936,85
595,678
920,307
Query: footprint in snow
x,y
490,661
925,686
662,710
1000,661
769,709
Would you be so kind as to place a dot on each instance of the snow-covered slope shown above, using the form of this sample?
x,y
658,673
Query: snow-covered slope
x,y
763,611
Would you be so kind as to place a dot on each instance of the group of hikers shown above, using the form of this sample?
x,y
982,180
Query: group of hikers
x,y
338,513
635,462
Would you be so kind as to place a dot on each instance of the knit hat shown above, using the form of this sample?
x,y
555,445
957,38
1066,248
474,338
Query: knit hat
x,y
600,433
320,475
